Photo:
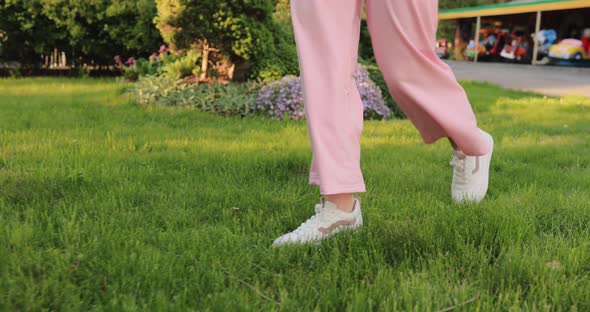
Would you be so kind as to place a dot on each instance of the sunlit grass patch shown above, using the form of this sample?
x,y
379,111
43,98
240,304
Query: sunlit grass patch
x,y
110,206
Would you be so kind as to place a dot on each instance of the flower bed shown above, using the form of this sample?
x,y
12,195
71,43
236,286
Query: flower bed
x,y
283,98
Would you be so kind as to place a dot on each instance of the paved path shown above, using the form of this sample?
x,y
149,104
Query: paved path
x,y
549,80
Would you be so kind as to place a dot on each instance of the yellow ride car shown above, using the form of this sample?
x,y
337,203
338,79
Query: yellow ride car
x,y
569,49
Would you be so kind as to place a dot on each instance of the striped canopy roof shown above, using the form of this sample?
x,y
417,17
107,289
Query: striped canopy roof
x,y
513,8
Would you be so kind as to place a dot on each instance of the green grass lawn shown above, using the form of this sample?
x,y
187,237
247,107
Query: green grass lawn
x,y
108,206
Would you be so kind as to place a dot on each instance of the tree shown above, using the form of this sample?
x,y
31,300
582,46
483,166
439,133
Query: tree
x,y
90,30
131,23
244,31
27,32
100,29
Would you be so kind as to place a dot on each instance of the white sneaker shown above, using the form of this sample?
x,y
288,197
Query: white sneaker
x,y
471,174
327,221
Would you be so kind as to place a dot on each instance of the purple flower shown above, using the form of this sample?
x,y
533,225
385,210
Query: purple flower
x,y
284,97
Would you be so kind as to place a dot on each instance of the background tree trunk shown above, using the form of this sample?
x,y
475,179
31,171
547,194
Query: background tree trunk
x,y
205,60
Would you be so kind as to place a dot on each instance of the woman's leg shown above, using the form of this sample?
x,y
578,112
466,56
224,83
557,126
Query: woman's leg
x,y
403,34
327,35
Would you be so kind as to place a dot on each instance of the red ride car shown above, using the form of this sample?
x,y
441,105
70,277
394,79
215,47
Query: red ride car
x,y
492,41
518,49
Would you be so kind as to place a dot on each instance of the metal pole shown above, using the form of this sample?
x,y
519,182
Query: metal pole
x,y
477,28
536,42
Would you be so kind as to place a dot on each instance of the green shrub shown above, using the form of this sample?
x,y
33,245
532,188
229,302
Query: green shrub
x,y
161,63
146,67
183,66
133,69
234,99
156,90
277,59
80,72
365,45
15,73
130,74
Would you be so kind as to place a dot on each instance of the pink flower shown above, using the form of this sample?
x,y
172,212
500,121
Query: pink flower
x,y
154,56
163,49
118,60
130,61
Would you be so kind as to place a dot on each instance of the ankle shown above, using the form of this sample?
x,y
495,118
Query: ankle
x,y
343,202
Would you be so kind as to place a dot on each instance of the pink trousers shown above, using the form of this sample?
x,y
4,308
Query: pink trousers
x,y
403,35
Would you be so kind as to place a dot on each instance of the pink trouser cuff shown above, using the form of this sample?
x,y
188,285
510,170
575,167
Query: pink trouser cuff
x,y
336,189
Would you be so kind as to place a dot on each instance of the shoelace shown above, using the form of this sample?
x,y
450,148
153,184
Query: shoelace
x,y
319,213
458,162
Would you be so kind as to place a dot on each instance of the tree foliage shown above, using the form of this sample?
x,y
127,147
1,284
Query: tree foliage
x,y
245,31
87,29
26,31
255,36
98,29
